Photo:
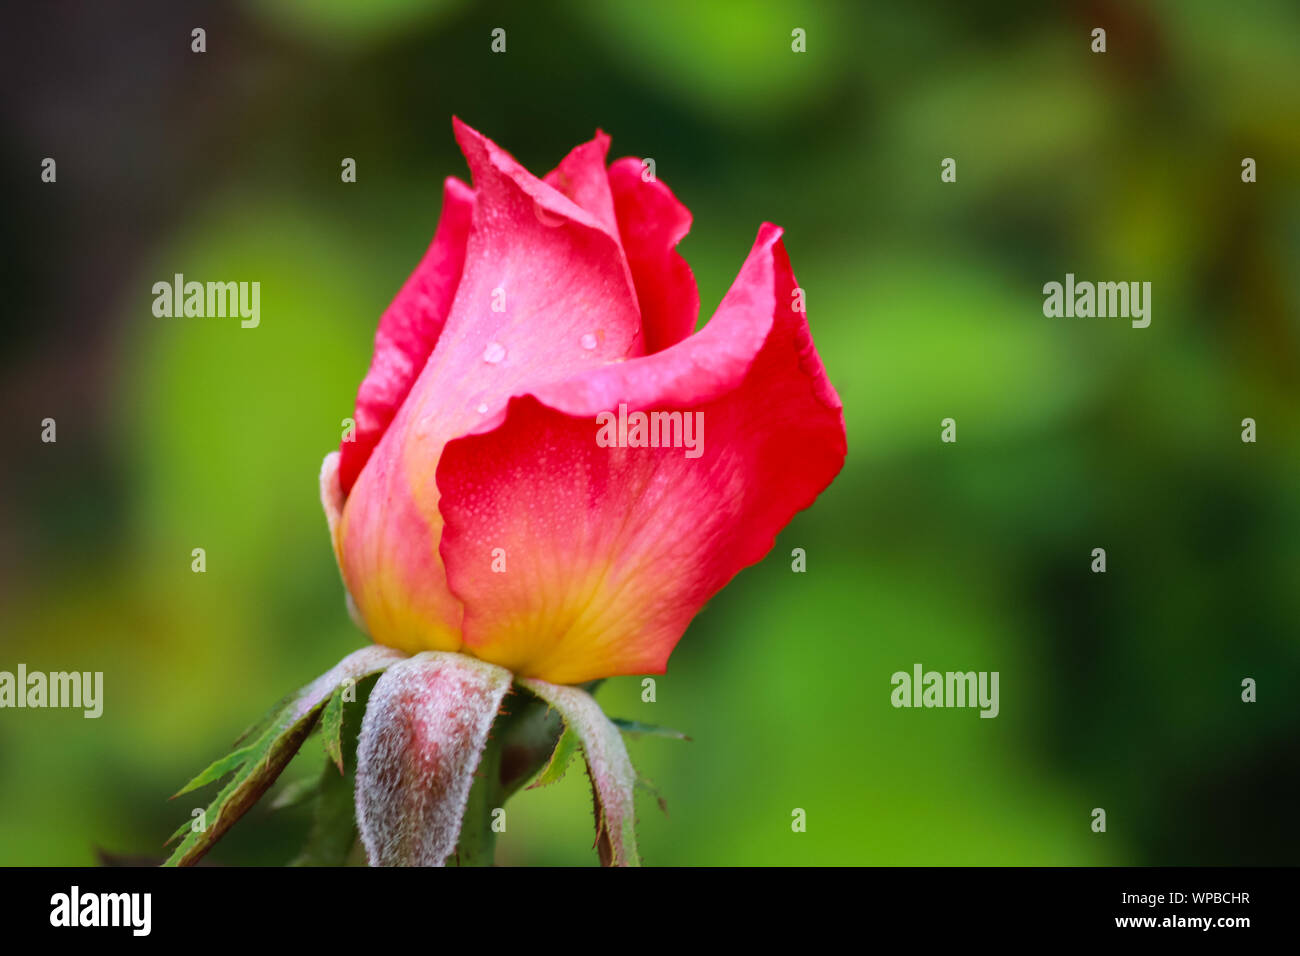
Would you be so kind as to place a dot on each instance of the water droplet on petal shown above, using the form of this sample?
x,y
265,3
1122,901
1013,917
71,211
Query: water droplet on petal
x,y
589,341
482,409
494,353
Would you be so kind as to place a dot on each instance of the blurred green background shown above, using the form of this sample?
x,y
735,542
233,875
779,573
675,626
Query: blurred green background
x,y
1119,691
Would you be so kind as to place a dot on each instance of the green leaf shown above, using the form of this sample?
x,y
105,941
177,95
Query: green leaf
x,y
565,748
331,724
217,769
257,765
612,778
268,756
637,729
333,834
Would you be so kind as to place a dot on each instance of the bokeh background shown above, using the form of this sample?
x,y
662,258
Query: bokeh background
x,y
1119,691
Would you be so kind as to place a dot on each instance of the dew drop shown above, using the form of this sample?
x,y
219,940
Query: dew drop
x,y
589,341
482,409
494,353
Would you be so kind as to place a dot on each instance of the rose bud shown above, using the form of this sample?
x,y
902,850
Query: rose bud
x,y
550,472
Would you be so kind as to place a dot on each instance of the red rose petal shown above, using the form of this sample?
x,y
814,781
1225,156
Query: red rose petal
x,y
651,222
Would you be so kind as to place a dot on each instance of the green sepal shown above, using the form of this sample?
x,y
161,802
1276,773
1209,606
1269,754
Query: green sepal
x,y
218,769
332,839
565,748
331,726
613,780
257,765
